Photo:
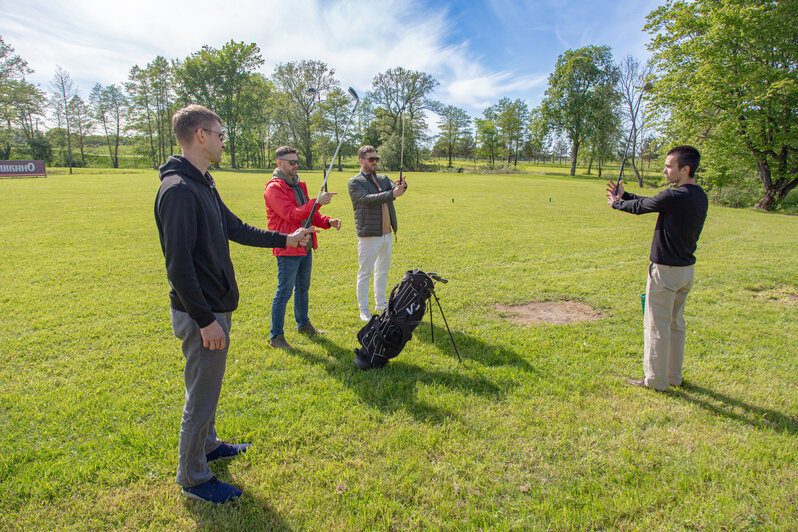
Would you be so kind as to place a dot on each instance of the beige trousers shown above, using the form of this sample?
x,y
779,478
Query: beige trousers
x,y
663,324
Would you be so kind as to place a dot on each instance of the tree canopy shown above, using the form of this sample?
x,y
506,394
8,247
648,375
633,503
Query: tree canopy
x,y
727,80
578,88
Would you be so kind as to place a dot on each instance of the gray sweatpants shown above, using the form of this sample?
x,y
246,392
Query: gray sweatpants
x,y
203,376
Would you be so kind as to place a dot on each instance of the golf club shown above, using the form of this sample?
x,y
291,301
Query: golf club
x,y
647,87
309,221
402,152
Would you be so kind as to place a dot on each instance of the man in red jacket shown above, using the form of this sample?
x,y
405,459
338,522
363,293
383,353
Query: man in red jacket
x,y
288,206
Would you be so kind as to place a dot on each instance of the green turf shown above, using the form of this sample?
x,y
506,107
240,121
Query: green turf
x,y
536,429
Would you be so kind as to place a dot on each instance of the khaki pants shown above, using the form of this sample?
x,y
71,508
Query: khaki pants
x,y
663,324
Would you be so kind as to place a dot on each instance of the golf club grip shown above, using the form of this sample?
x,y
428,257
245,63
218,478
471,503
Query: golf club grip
x,y
309,223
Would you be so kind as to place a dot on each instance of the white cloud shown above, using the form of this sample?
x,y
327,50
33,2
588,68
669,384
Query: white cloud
x,y
99,41
484,90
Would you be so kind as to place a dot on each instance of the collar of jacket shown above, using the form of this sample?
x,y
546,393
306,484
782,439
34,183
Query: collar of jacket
x,y
278,174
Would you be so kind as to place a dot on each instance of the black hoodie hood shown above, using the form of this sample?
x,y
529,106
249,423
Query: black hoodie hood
x,y
177,164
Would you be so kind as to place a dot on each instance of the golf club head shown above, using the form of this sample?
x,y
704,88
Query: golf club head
x,y
354,94
434,276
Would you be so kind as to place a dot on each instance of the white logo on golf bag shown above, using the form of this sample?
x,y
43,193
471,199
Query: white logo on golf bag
x,y
412,308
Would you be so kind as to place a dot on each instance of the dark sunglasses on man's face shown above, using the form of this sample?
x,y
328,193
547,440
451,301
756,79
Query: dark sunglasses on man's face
x,y
289,161
373,159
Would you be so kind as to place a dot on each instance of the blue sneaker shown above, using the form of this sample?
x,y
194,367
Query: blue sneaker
x,y
214,491
225,451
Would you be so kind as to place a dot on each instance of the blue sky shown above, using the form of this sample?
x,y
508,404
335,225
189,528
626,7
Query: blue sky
x,y
479,50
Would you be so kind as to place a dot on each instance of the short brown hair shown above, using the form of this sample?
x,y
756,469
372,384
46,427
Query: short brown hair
x,y
361,153
284,150
190,118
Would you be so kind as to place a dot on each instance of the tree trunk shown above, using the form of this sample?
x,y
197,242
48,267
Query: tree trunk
x,y
775,191
574,154
590,166
768,201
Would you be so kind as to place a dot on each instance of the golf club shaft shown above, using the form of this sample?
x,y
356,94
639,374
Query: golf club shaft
x,y
402,152
309,221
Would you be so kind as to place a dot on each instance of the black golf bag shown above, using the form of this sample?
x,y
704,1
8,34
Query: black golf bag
x,y
386,334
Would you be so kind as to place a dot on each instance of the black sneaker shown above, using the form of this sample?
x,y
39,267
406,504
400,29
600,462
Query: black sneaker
x,y
225,451
214,491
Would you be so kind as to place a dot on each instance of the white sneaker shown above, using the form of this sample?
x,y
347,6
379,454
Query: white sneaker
x,y
365,315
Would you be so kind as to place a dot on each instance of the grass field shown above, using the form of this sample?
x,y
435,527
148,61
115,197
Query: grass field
x,y
536,429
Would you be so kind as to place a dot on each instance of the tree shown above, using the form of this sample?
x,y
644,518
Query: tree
x,y
537,131
632,77
82,122
574,93
296,105
454,123
398,91
605,129
511,117
727,81
63,90
109,105
160,74
403,95
28,102
257,121
216,79
336,109
488,137
12,79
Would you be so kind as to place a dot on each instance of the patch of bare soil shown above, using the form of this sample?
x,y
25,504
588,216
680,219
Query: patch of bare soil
x,y
556,312
783,294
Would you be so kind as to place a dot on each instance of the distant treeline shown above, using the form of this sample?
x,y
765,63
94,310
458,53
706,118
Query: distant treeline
x,y
739,109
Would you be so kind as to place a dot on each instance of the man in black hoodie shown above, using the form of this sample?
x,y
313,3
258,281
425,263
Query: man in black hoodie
x,y
195,227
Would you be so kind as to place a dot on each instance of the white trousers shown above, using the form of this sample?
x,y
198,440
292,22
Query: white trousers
x,y
374,255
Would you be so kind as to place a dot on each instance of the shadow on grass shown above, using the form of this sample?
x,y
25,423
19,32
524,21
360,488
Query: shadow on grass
x,y
247,513
757,417
472,348
394,387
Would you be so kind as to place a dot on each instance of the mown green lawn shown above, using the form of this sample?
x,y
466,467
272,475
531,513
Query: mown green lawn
x,y
536,429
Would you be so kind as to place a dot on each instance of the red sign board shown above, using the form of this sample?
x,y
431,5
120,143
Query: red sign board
x,y
22,168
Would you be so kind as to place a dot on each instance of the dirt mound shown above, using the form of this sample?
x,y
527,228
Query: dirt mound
x,y
557,312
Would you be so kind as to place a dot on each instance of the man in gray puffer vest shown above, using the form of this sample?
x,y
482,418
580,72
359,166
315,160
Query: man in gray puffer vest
x,y
372,199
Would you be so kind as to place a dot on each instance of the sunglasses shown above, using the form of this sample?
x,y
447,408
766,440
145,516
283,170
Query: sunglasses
x,y
290,161
372,159
220,133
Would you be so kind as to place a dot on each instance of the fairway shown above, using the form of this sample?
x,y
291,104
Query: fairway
x,y
535,429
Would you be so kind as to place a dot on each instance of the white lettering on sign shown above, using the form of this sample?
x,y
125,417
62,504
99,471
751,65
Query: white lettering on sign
x,y
22,167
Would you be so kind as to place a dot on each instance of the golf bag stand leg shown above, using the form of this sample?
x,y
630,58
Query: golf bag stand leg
x,y
431,328
438,301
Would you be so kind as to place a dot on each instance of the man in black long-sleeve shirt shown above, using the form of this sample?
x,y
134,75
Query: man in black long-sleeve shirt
x,y
194,226
682,210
